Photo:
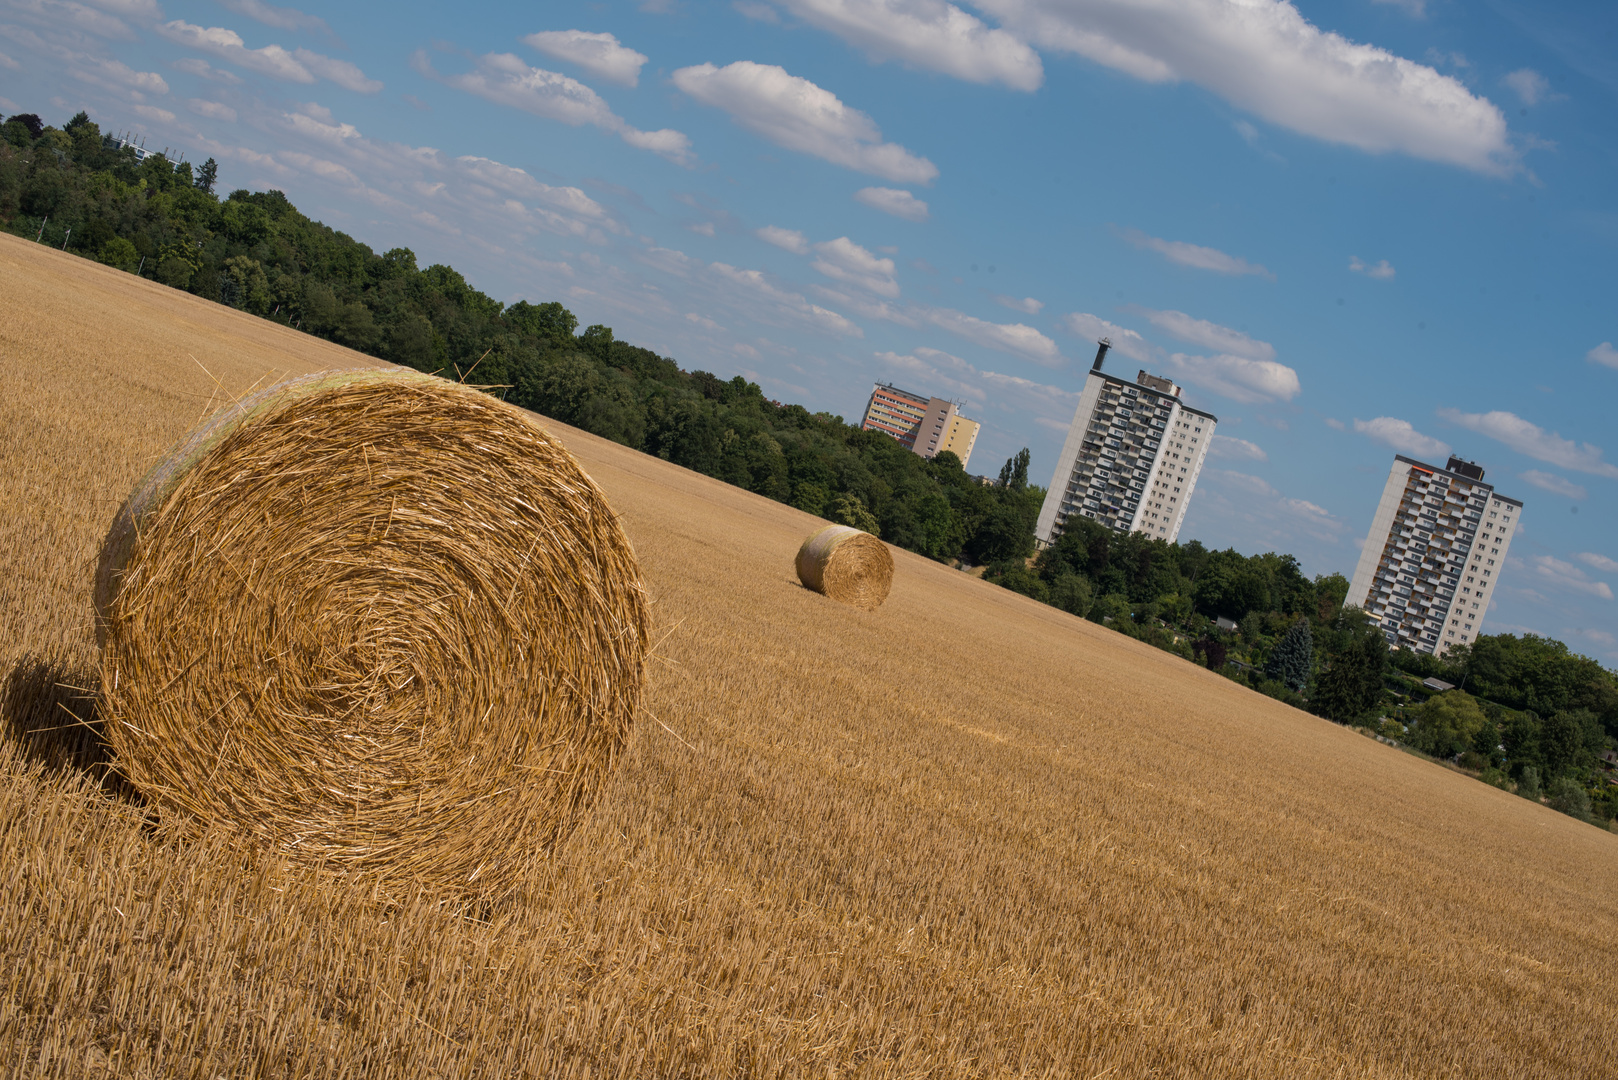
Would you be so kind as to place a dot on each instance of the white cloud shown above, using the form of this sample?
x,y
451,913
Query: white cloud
x,y
1264,56
1336,424
282,18
703,321
1600,562
1210,335
271,60
302,66
1198,258
515,181
1532,440
212,110
929,34
1556,485
599,54
1124,341
1027,305
1402,436
789,239
1007,337
139,9
1228,446
505,80
191,65
153,113
1566,576
795,113
1603,354
149,81
1414,8
1529,85
895,201
1236,377
341,72
793,305
1382,271
845,261
1246,482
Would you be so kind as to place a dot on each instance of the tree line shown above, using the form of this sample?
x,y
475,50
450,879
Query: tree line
x,y
1294,640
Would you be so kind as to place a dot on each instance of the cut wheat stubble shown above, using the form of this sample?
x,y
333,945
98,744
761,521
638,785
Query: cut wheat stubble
x,y
377,622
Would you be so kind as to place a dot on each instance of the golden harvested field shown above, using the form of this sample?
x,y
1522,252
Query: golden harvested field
x,y
963,835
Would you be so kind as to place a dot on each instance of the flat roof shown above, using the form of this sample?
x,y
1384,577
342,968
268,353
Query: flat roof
x,y
1435,470
1153,390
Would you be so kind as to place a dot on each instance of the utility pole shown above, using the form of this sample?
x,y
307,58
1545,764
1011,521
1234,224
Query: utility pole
x,y
42,225
65,238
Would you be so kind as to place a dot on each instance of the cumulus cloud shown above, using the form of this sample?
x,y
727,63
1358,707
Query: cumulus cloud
x,y
1534,441
301,66
341,72
153,113
754,282
213,110
1529,85
1228,446
1007,337
1027,305
282,18
1198,258
505,80
896,201
191,65
1603,354
1564,575
1556,485
1245,482
1236,377
1210,335
1124,341
1265,57
845,261
599,54
1600,562
1402,436
794,113
789,239
928,34
1381,271
147,81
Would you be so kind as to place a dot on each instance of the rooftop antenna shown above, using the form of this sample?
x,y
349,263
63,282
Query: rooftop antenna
x,y
1101,353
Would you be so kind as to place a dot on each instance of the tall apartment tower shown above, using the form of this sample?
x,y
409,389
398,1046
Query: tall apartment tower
x,y
927,426
1437,544
1132,456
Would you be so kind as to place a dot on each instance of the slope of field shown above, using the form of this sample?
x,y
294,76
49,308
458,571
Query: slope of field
x,y
964,835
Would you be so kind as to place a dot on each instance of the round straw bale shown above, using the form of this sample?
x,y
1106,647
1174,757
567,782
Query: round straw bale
x,y
848,565
377,622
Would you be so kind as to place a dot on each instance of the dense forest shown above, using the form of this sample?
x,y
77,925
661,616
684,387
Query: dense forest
x,y
1527,715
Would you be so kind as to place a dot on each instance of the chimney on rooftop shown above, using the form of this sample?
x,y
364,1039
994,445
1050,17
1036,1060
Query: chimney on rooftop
x,y
1101,353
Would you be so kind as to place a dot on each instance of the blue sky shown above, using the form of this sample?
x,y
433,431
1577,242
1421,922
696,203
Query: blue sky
x,y
1349,229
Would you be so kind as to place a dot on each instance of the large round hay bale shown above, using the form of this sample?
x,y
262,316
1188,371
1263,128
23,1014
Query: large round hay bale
x,y
377,622
848,565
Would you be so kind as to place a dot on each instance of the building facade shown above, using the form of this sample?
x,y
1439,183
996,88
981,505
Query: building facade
x,y
925,425
1434,554
1132,456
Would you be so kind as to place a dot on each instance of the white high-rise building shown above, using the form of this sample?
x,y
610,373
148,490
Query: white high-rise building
x,y
1434,554
1132,456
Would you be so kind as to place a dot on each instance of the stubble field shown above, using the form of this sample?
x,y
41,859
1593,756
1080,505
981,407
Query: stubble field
x,y
964,835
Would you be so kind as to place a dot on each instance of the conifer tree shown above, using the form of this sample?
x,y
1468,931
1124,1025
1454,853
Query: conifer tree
x,y
1292,658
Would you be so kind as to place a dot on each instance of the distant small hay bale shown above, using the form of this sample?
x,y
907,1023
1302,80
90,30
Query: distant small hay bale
x,y
847,565
377,622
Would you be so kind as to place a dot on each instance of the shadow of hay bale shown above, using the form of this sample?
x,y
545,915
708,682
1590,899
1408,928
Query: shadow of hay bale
x,y
48,711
